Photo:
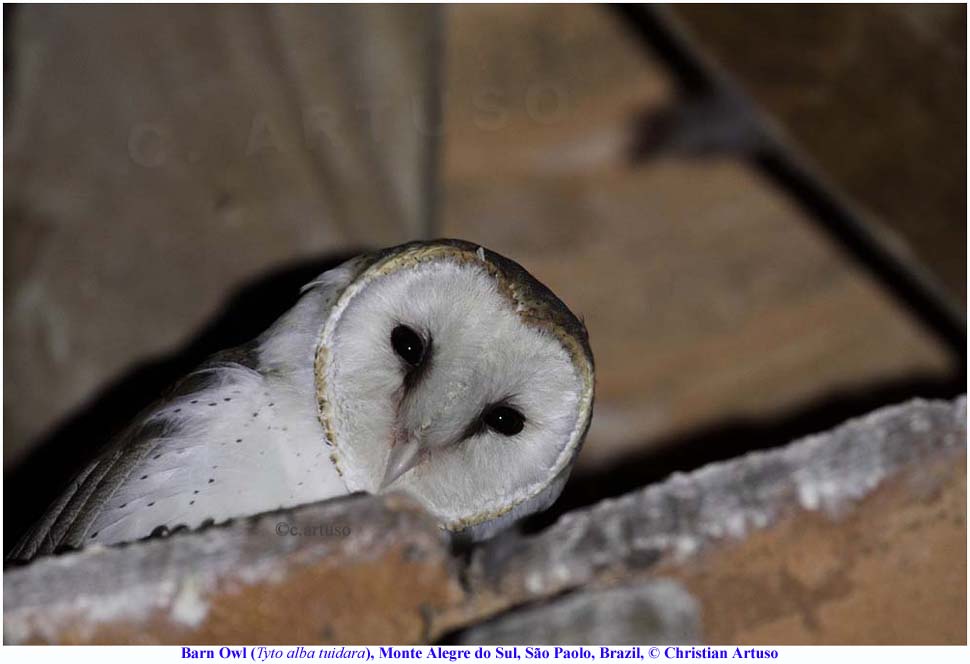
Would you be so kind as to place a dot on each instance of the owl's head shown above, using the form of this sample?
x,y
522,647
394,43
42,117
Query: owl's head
x,y
448,372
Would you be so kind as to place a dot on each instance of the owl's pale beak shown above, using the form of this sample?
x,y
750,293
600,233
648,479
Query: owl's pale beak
x,y
405,455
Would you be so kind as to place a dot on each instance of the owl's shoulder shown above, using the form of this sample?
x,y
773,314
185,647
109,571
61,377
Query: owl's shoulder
x,y
246,409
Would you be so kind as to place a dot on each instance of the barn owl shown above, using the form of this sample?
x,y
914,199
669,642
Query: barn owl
x,y
439,369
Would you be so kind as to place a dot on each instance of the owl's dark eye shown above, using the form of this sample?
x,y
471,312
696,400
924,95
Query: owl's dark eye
x,y
505,420
407,344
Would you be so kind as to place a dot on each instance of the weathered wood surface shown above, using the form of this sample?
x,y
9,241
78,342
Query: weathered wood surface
x,y
372,571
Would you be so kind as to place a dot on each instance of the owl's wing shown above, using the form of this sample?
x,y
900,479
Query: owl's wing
x,y
68,519
238,436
